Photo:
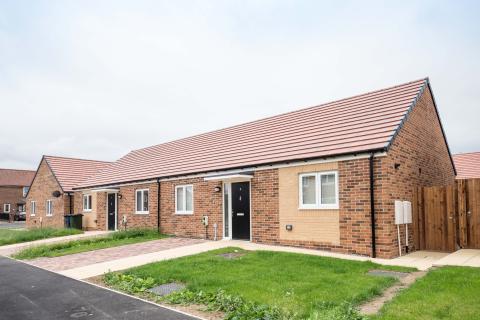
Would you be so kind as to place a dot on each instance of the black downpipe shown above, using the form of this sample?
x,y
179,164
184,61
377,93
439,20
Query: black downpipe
x,y
158,205
70,200
372,206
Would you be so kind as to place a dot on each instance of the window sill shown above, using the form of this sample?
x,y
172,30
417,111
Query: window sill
x,y
333,207
49,215
32,215
142,212
87,210
184,213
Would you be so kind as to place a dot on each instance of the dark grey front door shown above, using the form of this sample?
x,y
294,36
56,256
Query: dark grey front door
x,y
112,210
241,210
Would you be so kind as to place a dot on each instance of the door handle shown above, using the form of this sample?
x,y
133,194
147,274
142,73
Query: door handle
x,y
240,214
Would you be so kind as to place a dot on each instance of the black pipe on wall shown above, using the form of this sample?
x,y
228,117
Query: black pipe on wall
x,y
372,206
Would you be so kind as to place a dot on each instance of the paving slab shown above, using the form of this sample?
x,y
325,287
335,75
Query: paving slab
x,y
462,258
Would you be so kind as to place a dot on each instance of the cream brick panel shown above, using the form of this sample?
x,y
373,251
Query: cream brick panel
x,y
90,217
308,225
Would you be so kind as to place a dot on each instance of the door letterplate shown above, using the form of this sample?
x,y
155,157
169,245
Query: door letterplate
x,y
240,214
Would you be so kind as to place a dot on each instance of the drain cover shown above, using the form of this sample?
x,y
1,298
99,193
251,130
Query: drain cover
x,y
385,273
231,255
167,288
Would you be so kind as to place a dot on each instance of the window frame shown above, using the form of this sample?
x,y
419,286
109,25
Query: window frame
x,y
47,207
33,208
87,195
318,192
184,212
9,208
142,200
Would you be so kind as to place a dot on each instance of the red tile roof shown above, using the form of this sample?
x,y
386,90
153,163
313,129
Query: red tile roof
x,y
70,171
361,123
467,164
13,177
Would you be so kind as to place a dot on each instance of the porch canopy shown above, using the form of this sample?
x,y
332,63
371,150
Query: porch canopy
x,y
229,177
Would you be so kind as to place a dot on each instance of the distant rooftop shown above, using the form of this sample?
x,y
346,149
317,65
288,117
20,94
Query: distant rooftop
x,y
467,164
14,177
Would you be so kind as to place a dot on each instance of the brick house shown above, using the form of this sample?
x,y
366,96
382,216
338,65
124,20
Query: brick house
x,y
467,165
51,195
316,178
14,186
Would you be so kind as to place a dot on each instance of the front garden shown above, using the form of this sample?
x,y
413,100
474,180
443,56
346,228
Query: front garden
x,y
11,236
261,284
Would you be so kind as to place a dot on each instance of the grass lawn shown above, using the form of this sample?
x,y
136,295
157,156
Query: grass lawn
x,y
444,293
298,283
115,239
10,236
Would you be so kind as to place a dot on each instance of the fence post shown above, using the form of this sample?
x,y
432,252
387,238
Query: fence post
x,y
462,213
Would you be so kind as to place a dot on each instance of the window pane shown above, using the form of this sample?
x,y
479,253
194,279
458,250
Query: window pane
x,y
180,199
139,201
85,205
189,198
145,200
328,194
308,190
90,202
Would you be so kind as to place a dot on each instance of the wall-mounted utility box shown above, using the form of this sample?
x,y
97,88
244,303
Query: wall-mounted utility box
x,y
407,212
398,212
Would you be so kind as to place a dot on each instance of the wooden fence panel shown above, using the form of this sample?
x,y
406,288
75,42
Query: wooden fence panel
x,y
473,213
447,217
462,214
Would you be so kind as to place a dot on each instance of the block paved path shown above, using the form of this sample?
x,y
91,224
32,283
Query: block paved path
x,y
92,257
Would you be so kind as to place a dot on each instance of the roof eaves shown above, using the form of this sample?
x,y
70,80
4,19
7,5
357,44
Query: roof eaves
x,y
233,168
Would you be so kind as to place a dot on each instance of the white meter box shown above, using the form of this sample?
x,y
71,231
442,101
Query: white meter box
x,y
407,212
398,212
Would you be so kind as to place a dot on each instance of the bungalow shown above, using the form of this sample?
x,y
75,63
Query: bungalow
x,y
323,177
51,196
467,165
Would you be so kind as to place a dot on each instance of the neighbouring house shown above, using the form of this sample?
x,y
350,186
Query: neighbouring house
x,y
323,177
14,186
467,165
51,196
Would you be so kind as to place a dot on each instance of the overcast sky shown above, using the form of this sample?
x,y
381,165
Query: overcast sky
x,y
96,79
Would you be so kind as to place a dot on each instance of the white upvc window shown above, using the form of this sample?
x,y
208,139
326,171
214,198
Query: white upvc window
x,y
318,190
6,208
141,201
87,202
33,208
25,191
49,208
184,199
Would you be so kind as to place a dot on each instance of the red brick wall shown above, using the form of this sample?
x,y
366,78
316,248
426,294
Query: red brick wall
x,y
11,195
264,204
423,157
126,207
41,190
205,202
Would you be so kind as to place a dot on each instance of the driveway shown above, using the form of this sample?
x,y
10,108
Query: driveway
x,y
13,225
28,292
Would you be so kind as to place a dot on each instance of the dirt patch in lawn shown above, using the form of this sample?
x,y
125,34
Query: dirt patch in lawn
x,y
373,306
193,309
